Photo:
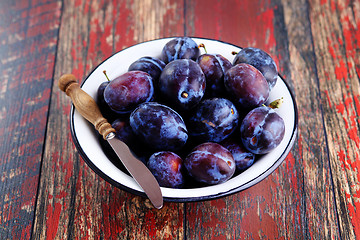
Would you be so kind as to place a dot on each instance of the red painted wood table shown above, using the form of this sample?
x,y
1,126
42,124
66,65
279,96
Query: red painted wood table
x,y
47,191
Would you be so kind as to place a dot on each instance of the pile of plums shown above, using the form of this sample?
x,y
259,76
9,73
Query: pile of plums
x,y
194,119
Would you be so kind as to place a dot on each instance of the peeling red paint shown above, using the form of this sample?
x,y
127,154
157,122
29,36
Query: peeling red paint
x,y
353,119
353,210
323,2
291,162
25,232
78,71
107,41
353,134
341,71
62,194
78,3
346,123
53,218
357,104
348,103
256,217
328,97
340,108
126,34
258,35
342,158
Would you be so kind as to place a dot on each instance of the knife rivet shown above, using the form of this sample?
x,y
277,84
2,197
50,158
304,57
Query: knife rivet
x,y
110,136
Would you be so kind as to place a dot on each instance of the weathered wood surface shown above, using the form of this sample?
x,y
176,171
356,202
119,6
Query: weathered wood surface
x,y
337,51
48,192
28,41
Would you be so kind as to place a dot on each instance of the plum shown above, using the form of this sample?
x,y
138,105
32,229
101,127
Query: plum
x,y
214,67
246,85
262,130
105,110
182,84
213,120
159,126
243,158
127,91
167,167
124,131
260,60
180,48
150,65
210,163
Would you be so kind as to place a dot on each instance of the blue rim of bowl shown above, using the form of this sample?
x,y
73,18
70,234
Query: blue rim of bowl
x,y
190,199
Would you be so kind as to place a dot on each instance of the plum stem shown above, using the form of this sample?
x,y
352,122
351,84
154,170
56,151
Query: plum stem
x,y
106,75
203,46
276,103
234,52
184,94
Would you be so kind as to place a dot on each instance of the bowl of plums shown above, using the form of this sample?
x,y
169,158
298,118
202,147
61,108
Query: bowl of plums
x,y
208,118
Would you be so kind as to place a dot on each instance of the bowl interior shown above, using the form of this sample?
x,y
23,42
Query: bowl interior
x,y
87,143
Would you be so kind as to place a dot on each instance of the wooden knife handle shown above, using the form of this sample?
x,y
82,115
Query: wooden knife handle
x,y
85,104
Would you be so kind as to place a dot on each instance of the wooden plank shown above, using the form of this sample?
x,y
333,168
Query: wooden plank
x,y
320,210
336,28
297,199
28,38
74,203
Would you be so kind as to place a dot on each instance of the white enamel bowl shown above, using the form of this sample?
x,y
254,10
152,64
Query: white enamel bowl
x,y
89,147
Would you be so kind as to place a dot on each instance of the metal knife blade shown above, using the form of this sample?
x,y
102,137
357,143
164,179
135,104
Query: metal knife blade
x,y
138,171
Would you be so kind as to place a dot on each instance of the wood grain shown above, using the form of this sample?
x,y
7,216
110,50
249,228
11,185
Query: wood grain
x,y
336,28
48,192
75,203
28,39
291,201
319,208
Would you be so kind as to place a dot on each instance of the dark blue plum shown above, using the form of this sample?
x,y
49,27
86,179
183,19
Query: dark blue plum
x,y
150,65
124,131
243,158
213,120
167,167
210,163
105,110
262,130
182,84
127,91
260,60
246,85
180,48
214,67
159,126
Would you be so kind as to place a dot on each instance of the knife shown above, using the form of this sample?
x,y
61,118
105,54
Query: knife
x,y
88,108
